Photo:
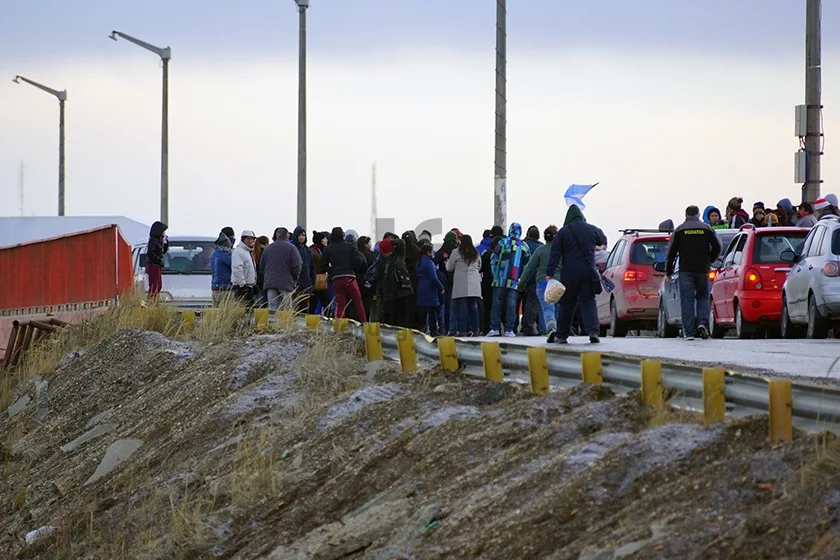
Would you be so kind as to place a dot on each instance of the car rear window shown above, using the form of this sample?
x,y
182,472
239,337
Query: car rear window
x,y
648,251
835,242
769,246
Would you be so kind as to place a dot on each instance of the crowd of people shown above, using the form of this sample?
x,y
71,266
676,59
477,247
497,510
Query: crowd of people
x,y
785,213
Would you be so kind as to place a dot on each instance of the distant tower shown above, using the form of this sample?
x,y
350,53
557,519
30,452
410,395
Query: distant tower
x,y
374,234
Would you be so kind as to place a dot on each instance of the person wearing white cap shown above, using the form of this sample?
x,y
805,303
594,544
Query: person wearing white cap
x,y
243,271
826,206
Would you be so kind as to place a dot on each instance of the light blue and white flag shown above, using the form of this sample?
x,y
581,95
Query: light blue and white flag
x,y
575,193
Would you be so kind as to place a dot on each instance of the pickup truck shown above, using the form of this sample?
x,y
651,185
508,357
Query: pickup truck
x,y
186,272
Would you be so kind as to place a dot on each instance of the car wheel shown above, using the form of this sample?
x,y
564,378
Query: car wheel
x,y
715,330
663,329
817,325
618,328
741,326
788,328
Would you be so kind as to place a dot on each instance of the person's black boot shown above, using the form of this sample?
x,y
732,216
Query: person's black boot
x,y
594,339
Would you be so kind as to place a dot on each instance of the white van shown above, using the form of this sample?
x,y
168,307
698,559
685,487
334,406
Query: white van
x,y
186,272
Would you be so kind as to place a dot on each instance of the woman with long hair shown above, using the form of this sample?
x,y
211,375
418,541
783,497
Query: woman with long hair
x,y
465,266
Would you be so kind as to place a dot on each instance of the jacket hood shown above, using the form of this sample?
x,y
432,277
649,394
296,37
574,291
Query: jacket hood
x,y
337,235
450,239
224,241
709,209
296,234
317,237
409,236
515,230
351,236
573,214
157,229
786,204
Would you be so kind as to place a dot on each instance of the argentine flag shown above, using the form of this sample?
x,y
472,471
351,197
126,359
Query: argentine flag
x,y
575,193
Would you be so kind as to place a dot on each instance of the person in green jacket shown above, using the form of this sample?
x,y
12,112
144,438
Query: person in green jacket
x,y
536,268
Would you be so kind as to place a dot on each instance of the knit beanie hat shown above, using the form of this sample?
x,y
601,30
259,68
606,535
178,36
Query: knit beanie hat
x,y
820,204
735,203
451,238
227,230
758,205
386,247
317,237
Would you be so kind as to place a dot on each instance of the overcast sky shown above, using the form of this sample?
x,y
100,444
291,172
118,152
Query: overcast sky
x,y
665,103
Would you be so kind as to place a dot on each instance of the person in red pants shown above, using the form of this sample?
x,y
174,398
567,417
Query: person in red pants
x,y
343,261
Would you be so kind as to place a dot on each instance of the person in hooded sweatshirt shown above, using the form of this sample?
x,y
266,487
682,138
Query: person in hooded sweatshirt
x,y
429,288
306,280
220,268
574,247
507,263
786,212
343,261
712,216
735,215
155,252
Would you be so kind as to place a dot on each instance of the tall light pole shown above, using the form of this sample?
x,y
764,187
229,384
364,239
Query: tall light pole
x,y
62,97
813,98
165,54
302,5
500,186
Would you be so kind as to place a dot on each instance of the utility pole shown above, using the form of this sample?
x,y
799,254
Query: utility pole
x,y
500,196
62,98
165,55
301,167
813,98
373,211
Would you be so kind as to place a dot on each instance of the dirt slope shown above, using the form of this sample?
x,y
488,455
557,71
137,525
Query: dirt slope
x,y
290,446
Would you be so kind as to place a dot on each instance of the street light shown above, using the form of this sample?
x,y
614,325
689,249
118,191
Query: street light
x,y
302,5
165,54
62,97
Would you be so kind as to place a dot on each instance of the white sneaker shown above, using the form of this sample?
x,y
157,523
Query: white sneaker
x,y
493,333
510,334
688,338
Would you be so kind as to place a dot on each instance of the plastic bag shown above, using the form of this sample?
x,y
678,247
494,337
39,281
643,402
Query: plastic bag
x,y
554,290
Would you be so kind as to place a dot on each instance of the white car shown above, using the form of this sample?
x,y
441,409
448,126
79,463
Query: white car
x,y
811,293
186,272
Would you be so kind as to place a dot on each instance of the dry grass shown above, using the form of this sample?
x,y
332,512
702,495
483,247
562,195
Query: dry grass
x,y
671,415
331,365
221,323
189,528
825,463
253,476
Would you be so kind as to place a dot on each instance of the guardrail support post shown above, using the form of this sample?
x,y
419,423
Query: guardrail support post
x,y
373,342
285,319
261,318
408,354
652,383
448,353
538,367
340,325
591,365
313,322
492,355
781,412
188,320
714,394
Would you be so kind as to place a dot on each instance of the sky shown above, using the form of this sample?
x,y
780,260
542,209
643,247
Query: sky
x,y
664,103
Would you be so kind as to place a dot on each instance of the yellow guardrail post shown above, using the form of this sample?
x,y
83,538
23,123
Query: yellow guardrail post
x,y
652,383
448,353
285,319
188,320
373,342
590,363
781,412
261,318
538,366
313,322
491,353
341,325
714,394
408,354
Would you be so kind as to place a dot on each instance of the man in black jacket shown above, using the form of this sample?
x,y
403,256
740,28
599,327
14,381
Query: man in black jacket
x,y
697,246
306,280
342,261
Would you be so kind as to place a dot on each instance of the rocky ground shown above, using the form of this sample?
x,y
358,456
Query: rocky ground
x,y
289,445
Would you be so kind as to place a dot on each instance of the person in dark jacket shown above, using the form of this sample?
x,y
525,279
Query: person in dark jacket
x,y
697,247
429,289
487,284
343,262
366,250
533,321
446,317
306,280
575,245
155,252
759,214
412,257
320,297
395,284
220,268
281,266
735,216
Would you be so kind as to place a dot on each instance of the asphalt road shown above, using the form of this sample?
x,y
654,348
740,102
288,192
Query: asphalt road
x,y
789,358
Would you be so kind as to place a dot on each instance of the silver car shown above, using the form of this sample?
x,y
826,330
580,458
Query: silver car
x,y
186,272
811,293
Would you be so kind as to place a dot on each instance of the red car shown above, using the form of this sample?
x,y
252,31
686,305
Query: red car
x,y
634,304
747,288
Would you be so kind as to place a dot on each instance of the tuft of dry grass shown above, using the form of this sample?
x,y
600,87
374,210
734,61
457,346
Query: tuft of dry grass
x,y
254,476
825,463
671,415
189,526
331,365
221,323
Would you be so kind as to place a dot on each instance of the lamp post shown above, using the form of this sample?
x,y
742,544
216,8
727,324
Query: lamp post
x,y
302,5
165,55
62,97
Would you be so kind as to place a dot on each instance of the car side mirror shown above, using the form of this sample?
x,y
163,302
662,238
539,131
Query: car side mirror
x,y
789,256
659,266
144,259
717,264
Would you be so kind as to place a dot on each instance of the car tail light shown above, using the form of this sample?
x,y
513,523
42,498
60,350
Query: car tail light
x,y
752,280
712,275
635,276
831,269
